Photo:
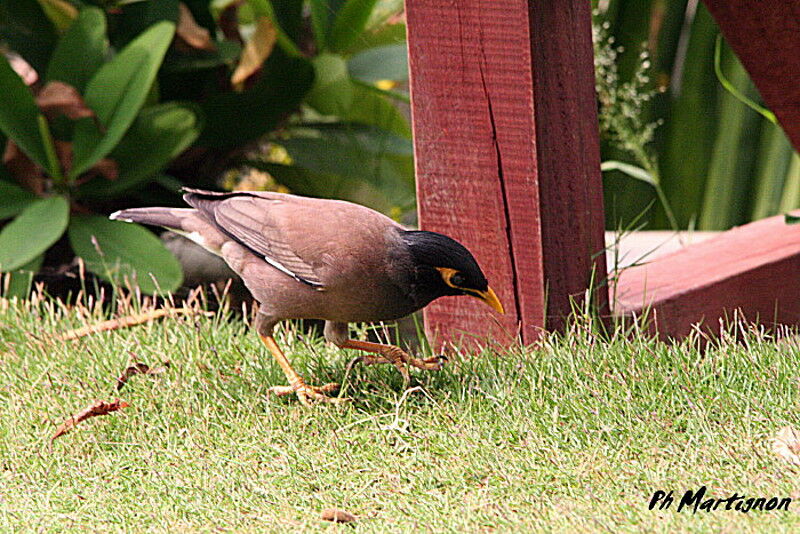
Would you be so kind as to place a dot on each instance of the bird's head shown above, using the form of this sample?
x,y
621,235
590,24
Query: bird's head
x,y
445,267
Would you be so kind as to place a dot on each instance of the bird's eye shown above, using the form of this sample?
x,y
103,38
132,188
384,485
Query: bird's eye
x,y
457,280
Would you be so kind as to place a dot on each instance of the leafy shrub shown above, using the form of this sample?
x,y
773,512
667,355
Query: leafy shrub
x,y
127,89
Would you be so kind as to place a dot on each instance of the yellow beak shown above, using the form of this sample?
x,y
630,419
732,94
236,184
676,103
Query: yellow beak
x,y
490,298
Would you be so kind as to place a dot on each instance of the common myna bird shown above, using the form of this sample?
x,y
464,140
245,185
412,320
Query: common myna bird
x,y
306,258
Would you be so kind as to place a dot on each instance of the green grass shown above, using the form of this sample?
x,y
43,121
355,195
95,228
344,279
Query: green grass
x,y
573,435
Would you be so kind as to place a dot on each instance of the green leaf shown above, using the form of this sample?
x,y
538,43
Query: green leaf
x,y
389,34
349,24
19,115
159,134
319,22
116,93
305,182
365,154
334,93
13,199
788,218
233,119
733,90
33,232
21,279
127,253
388,62
81,51
60,12
631,170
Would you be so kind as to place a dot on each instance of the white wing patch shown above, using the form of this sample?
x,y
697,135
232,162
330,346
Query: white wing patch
x,y
199,239
284,270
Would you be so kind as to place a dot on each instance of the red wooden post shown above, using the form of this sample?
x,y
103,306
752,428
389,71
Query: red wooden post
x,y
507,154
765,34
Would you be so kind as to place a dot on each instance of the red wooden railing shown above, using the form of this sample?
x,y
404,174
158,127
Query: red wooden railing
x,y
506,141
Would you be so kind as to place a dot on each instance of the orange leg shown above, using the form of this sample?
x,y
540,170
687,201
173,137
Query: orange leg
x,y
394,355
305,393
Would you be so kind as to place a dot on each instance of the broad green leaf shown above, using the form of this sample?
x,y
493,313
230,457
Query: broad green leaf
x,y
728,188
371,108
81,51
349,24
159,134
389,34
308,183
369,155
19,115
334,93
769,180
13,199
33,232
116,93
20,283
232,119
733,90
123,253
388,62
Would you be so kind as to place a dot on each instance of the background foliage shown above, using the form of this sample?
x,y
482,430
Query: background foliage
x,y
664,109
111,104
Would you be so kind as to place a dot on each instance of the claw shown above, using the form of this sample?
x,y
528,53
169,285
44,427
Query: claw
x,y
308,395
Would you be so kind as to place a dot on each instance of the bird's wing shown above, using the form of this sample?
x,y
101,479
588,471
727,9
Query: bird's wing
x,y
251,222
301,237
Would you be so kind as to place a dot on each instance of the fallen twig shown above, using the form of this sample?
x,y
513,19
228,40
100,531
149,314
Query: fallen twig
x,y
140,369
96,409
130,320
337,516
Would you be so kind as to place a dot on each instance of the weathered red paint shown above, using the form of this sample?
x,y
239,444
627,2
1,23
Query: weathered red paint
x,y
765,34
753,269
507,155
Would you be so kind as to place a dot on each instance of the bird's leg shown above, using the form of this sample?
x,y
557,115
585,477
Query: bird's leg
x,y
304,392
394,355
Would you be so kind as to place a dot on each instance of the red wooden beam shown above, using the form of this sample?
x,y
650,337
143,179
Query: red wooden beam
x,y
765,34
507,154
754,269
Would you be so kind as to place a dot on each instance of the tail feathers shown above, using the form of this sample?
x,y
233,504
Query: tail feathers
x,y
171,218
184,221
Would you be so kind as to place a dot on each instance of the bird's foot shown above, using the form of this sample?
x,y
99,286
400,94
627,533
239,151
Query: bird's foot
x,y
308,395
395,355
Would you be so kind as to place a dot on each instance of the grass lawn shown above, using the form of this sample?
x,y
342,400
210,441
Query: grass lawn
x,y
573,435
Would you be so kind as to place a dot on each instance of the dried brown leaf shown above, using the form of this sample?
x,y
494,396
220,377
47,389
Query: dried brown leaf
x,y
140,369
229,22
256,50
130,320
59,98
19,165
786,444
192,33
97,409
338,516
